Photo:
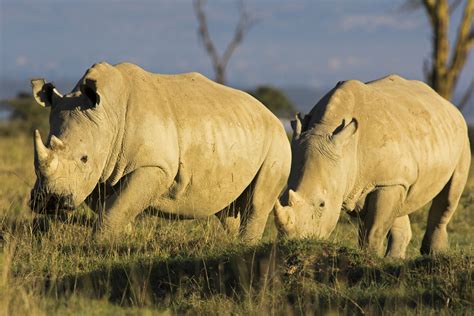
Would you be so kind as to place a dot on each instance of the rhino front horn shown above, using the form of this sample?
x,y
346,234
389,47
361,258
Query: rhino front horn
x,y
46,161
284,217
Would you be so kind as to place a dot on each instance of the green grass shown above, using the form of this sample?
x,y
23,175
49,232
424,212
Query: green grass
x,y
167,267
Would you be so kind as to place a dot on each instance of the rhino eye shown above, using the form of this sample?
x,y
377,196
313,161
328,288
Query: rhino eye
x,y
84,158
322,204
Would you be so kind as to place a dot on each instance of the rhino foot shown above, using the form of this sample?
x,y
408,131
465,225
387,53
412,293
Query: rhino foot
x,y
435,242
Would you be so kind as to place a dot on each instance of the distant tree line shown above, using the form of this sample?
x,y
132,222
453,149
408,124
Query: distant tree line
x,y
26,116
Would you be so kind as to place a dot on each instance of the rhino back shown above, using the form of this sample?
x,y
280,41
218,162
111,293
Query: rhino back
x,y
211,138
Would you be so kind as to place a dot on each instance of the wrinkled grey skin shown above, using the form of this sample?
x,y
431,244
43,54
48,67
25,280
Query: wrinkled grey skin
x,y
380,151
125,140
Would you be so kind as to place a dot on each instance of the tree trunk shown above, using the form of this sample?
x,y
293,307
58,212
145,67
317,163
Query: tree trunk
x,y
441,49
220,74
445,70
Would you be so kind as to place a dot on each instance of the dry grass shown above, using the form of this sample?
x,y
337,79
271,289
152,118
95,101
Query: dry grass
x,y
167,267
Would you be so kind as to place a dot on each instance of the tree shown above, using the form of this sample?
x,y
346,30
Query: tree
x,y
275,100
444,70
219,62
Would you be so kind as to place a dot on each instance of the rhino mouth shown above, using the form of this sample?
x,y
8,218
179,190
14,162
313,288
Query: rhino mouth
x,y
47,203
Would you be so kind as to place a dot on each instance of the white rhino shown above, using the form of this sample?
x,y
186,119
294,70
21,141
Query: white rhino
x,y
380,151
180,144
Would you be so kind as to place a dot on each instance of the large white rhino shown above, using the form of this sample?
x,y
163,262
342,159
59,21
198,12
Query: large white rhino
x,y
181,144
381,151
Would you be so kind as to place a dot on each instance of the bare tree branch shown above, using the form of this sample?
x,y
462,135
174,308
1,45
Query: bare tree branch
x,y
430,6
246,21
203,31
461,48
219,63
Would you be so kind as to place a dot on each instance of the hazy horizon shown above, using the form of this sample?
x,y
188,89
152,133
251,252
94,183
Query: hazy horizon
x,y
300,43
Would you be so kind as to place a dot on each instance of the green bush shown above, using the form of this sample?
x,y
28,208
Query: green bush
x,y
26,116
275,100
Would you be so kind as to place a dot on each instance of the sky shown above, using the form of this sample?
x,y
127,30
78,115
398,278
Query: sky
x,y
294,43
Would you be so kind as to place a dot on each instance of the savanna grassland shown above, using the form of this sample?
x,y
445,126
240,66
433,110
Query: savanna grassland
x,y
54,266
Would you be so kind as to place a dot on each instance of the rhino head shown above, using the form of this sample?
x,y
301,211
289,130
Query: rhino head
x,y
79,144
322,165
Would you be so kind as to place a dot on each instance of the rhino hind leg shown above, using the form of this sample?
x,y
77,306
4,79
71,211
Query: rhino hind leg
x,y
381,208
399,237
443,207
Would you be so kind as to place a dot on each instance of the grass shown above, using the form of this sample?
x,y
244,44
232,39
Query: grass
x,y
193,267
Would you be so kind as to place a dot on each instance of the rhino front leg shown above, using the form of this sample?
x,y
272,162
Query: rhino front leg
x,y
399,237
131,196
382,207
260,197
97,202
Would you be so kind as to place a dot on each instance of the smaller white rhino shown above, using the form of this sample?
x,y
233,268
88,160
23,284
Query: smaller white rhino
x,y
380,151
125,140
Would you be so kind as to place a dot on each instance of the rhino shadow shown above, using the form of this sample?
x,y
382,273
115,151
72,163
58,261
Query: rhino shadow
x,y
161,281
289,279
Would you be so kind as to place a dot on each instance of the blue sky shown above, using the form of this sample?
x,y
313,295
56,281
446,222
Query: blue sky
x,y
295,43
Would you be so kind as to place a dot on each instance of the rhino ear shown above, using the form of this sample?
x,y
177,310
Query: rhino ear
x,y
44,92
296,125
89,89
344,133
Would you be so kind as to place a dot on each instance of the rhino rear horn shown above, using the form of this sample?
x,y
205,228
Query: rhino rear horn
x,y
46,161
293,198
56,143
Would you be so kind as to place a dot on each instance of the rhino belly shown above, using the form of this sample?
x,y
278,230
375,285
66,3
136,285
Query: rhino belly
x,y
212,174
